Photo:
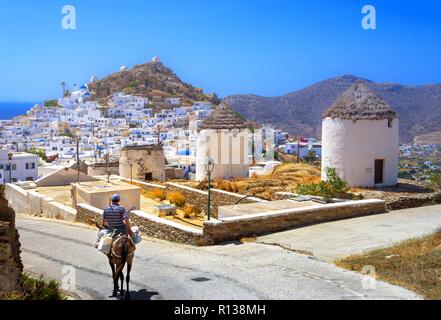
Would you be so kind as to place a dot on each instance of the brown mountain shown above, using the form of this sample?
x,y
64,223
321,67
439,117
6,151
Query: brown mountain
x,y
152,80
299,113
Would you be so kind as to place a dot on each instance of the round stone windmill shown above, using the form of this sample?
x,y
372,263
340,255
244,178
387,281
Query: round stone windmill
x,y
360,134
223,138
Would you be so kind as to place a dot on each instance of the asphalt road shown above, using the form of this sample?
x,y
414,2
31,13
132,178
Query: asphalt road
x,y
339,239
164,270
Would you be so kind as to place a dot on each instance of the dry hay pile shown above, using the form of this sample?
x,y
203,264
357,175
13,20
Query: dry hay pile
x,y
285,178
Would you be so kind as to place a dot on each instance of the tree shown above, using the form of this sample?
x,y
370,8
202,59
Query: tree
x,y
39,152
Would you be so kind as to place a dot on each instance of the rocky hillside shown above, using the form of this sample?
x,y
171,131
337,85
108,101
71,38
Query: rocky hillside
x,y
152,80
299,113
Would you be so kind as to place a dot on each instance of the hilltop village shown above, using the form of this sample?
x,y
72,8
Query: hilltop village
x,y
78,126
168,153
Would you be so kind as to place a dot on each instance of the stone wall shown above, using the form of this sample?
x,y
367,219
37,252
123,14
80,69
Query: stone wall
x,y
219,231
236,227
11,266
138,161
152,226
100,169
415,201
219,198
88,214
199,198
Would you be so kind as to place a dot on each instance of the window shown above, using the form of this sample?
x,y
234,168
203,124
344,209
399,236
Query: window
x,y
1,167
14,167
29,179
389,123
30,166
14,180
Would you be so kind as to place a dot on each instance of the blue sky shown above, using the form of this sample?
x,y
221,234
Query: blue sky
x,y
266,47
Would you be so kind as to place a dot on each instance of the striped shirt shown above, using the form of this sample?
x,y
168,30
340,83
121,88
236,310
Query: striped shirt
x,y
115,216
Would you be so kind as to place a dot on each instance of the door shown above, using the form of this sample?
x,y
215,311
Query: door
x,y
379,168
149,176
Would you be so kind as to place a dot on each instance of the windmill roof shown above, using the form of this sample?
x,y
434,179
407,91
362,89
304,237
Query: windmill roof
x,y
360,103
223,117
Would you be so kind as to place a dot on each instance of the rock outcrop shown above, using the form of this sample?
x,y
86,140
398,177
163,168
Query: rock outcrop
x,y
11,266
152,80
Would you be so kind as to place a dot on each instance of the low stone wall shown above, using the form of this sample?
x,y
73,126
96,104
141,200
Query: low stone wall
x,y
236,227
156,227
55,210
17,198
144,185
199,198
33,203
219,198
416,201
11,266
88,214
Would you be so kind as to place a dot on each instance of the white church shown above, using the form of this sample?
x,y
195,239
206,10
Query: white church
x,y
360,139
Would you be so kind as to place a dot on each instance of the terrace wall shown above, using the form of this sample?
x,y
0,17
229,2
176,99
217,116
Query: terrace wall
x,y
236,227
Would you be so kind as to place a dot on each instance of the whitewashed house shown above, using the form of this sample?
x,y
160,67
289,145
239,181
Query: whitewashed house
x,y
23,167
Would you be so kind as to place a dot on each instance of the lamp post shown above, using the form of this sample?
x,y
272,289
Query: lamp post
x,y
10,156
209,166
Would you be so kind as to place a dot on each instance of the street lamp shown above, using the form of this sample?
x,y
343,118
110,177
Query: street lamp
x,y
209,166
10,156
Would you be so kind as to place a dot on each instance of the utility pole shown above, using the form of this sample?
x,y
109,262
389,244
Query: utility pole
x,y
107,156
78,160
298,150
63,86
159,135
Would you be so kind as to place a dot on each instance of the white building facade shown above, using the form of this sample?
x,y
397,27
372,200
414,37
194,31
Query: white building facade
x,y
22,167
360,139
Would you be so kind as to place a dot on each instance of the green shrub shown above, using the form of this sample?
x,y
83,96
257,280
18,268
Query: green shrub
x,y
333,187
36,289
51,104
435,181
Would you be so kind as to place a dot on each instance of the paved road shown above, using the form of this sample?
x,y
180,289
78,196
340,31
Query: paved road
x,y
339,239
164,270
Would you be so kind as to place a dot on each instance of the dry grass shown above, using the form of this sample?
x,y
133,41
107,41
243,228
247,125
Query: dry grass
x,y
191,212
285,178
413,264
176,198
155,194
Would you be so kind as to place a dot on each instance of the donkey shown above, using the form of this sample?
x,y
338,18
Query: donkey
x,y
123,251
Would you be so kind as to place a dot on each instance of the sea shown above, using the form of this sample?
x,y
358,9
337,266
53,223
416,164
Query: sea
x,y
9,110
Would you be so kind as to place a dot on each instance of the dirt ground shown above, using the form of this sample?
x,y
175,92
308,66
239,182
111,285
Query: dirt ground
x,y
60,194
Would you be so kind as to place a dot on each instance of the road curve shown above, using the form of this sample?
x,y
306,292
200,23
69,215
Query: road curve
x,y
164,270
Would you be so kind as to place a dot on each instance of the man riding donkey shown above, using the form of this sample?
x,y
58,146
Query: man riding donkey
x,y
116,224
